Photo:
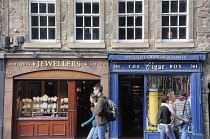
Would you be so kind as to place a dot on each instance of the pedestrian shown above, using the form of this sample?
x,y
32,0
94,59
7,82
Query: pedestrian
x,y
93,100
182,109
174,126
164,125
100,120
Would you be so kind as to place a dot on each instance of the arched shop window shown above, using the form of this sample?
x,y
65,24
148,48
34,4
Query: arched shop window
x,y
158,86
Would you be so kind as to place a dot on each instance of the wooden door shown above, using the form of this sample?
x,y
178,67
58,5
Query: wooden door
x,y
72,109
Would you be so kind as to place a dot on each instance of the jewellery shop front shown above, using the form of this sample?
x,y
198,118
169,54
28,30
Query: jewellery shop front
x,y
49,98
138,81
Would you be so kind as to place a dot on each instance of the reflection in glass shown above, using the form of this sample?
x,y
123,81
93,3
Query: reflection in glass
x,y
42,7
174,6
130,33
121,7
130,7
121,33
165,7
182,33
43,33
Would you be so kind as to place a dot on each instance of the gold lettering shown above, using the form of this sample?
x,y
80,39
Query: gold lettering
x,y
55,63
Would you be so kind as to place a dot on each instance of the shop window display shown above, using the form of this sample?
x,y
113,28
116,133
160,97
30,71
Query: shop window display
x,y
42,99
158,86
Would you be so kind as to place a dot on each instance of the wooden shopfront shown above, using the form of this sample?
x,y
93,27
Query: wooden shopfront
x,y
51,97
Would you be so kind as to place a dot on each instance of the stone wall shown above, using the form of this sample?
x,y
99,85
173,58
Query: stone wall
x,y
14,14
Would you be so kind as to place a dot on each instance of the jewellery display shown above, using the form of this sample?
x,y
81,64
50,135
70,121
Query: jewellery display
x,y
44,105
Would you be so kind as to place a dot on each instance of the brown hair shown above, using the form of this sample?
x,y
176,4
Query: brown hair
x,y
182,93
99,86
164,99
171,96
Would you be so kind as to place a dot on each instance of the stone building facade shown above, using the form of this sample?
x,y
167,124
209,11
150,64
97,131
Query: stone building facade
x,y
15,21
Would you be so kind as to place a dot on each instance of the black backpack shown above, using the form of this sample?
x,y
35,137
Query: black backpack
x,y
159,116
110,110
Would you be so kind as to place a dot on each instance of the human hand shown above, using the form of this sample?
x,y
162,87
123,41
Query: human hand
x,y
167,131
186,120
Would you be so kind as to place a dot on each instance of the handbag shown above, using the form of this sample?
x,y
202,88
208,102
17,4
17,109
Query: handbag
x,y
180,122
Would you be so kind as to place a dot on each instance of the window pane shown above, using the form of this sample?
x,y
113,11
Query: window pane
x,y
138,21
130,21
43,20
42,8
51,21
95,34
182,33
35,33
95,8
87,8
79,8
43,33
51,8
79,21
121,21
138,8
34,21
130,7
165,20
79,33
174,33
87,21
174,21
165,33
174,6
121,33
138,33
51,33
182,20
165,7
121,7
87,34
182,6
34,8
95,21
130,33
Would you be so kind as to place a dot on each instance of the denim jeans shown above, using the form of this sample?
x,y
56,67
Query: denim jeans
x,y
163,132
100,131
91,133
184,128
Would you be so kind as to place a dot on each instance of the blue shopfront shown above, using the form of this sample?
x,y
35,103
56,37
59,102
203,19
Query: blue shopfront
x,y
138,81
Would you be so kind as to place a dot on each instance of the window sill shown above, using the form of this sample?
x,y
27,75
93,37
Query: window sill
x,y
42,45
130,45
175,45
86,45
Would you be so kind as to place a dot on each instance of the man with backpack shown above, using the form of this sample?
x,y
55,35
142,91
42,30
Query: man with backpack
x,y
100,120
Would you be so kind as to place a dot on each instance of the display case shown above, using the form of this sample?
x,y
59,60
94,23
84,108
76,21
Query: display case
x,y
43,107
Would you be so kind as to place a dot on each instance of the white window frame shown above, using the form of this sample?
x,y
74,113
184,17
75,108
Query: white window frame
x,y
176,14
134,27
86,15
42,14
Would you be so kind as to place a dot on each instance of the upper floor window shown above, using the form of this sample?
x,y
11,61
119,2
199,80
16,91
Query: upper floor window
x,y
42,20
174,19
130,20
87,20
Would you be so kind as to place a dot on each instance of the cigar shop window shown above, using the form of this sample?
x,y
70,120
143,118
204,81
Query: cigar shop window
x,y
174,20
41,99
157,87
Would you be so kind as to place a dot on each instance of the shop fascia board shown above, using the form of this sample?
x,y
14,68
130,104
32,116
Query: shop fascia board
x,y
55,56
